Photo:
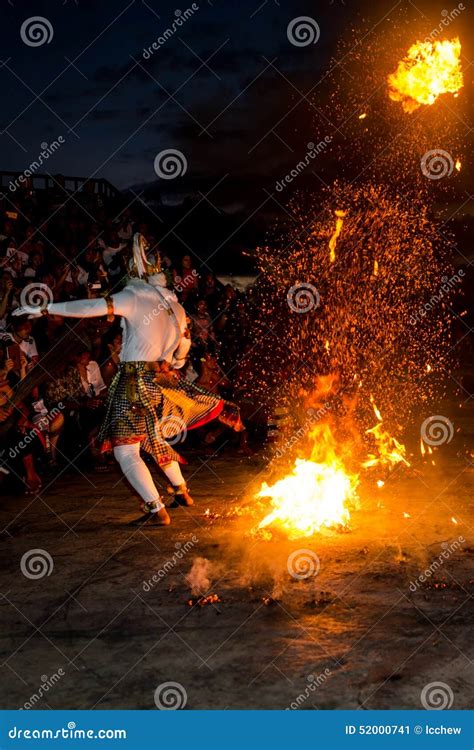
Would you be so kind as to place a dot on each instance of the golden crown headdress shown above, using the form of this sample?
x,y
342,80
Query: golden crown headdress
x,y
141,266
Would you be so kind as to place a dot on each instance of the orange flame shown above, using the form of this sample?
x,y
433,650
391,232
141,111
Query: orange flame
x,y
390,451
316,494
428,70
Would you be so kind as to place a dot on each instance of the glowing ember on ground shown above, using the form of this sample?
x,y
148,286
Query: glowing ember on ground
x,y
316,494
428,70
203,601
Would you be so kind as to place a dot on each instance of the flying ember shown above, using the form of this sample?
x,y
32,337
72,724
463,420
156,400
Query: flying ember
x,y
332,242
428,70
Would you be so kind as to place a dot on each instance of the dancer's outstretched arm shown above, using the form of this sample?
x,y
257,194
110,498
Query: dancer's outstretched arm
x,y
82,308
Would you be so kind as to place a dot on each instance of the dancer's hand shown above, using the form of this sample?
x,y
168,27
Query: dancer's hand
x,y
32,312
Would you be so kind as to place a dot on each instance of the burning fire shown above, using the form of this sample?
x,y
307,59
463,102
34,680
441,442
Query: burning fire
x,y
316,494
428,70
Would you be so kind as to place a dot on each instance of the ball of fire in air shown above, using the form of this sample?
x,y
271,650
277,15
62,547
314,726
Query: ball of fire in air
x,y
428,70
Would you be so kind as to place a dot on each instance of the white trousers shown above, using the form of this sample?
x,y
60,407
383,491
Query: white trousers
x,y
138,473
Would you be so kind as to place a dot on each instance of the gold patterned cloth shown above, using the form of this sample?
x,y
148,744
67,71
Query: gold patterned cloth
x,y
154,408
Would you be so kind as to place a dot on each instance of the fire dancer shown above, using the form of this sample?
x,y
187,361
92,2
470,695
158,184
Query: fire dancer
x,y
148,402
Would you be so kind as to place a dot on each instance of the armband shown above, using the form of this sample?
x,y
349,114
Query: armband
x,y
110,308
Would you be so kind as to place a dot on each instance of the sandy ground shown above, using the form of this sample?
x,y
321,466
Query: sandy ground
x,y
356,635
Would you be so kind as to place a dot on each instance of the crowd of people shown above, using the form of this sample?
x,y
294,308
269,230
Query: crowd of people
x,y
55,374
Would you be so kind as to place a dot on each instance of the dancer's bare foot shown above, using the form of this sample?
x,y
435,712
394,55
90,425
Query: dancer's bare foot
x,y
33,483
160,518
181,496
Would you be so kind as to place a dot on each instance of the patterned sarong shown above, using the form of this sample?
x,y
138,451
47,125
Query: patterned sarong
x,y
155,409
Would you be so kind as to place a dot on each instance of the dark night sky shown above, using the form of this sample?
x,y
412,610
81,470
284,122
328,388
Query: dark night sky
x,y
117,110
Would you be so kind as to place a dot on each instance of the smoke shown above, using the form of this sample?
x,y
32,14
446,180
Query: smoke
x,y
198,577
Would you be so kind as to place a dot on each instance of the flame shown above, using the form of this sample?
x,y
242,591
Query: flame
x,y
337,231
390,451
376,268
363,116
458,165
428,70
316,494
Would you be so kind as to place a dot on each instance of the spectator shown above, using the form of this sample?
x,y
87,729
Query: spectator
x,y
21,335
186,279
6,298
34,265
202,323
110,355
19,436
